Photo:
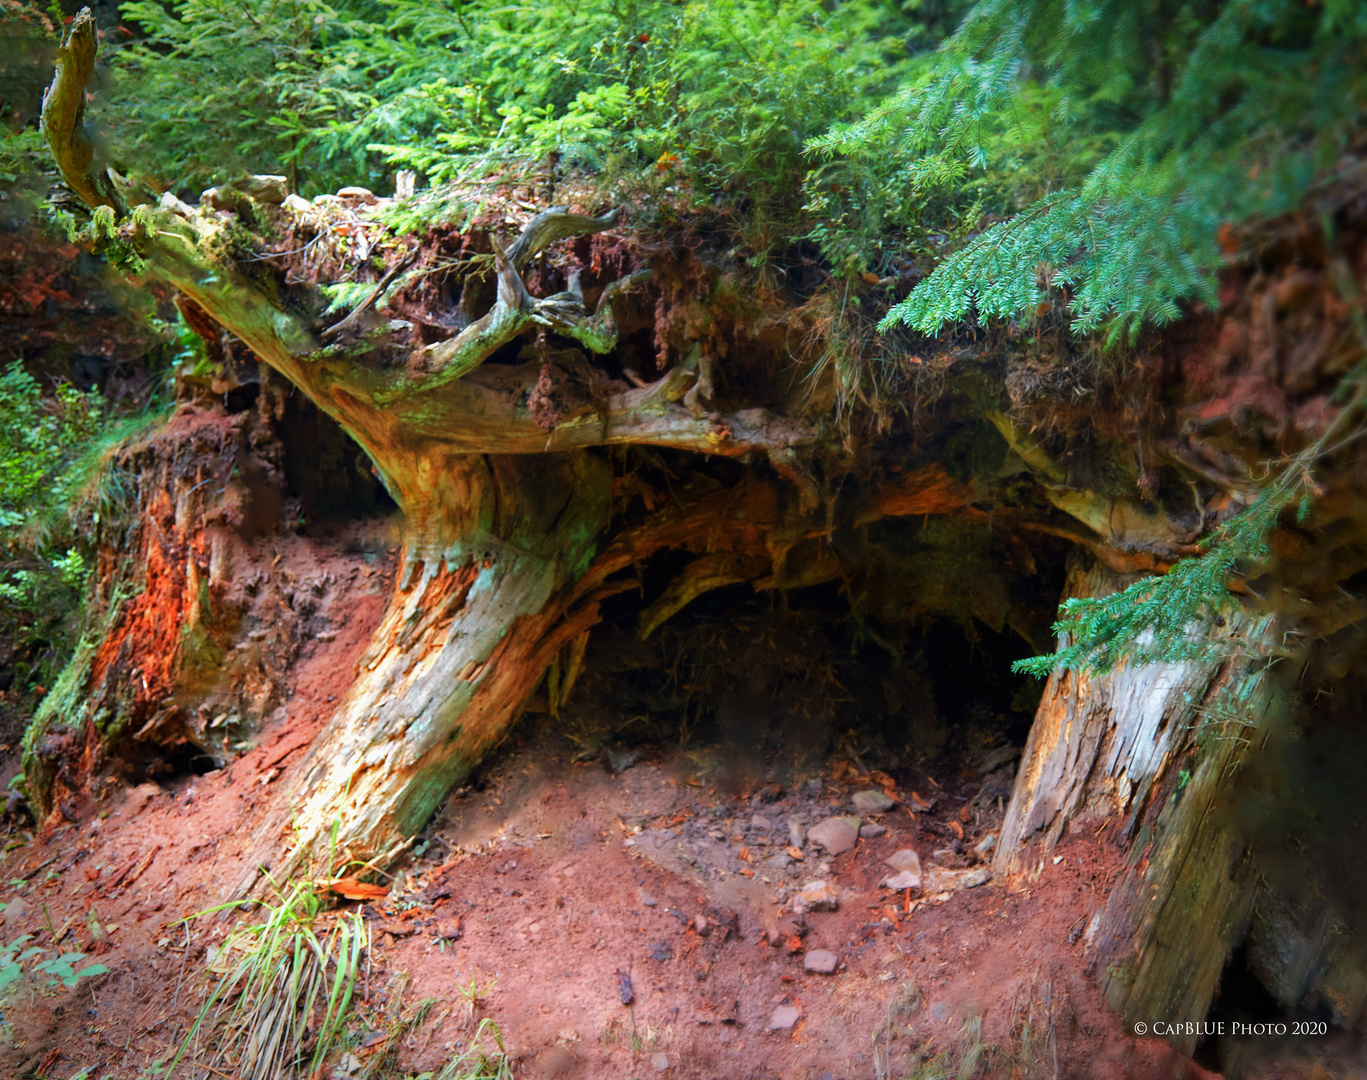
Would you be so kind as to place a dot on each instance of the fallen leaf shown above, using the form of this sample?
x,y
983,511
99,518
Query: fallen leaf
x,y
957,828
796,853
353,889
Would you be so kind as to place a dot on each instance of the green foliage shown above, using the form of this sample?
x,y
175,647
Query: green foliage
x,y
60,485
1217,115
717,97
1172,618
19,958
1167,619
39,437
713,98
217,90
483,1057
292,977
26,52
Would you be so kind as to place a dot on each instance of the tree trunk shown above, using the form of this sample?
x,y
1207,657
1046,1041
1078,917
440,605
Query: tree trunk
x,y
1155,746
469,631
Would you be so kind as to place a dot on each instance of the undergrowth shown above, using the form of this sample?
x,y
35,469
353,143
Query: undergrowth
x,y
286,999
1030,1049
285,988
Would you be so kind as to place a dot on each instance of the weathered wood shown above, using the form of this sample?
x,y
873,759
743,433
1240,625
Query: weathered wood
x,y
1151,747
467,635
63,116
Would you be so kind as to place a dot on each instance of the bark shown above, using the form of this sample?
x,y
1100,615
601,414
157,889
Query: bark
x,y
491,539
505,507
1153,748
469,631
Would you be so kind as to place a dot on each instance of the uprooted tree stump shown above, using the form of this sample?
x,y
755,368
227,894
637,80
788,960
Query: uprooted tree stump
x,y
488,413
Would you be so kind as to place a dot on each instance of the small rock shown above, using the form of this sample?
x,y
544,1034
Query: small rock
x,y
986,844
785,1016
820,962
621,760
815,896
974,878
266,188
873,802
647,900
660,1062
947,857
14,911
786,931
759,821
905,879
994,759
872,832
701,925
358,194
836,834
906,859
797,833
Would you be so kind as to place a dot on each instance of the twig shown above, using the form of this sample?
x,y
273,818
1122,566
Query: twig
x,y
175,1000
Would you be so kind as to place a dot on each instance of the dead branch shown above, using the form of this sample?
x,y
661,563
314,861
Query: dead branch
x,y
63,117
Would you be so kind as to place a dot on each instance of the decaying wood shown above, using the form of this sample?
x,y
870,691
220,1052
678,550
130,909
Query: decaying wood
x,y
1151,747
64,117
508,556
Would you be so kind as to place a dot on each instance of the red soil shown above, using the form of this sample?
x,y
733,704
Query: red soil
x,y
545,871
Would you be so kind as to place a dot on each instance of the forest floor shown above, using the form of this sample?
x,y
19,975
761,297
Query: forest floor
x,y
625,915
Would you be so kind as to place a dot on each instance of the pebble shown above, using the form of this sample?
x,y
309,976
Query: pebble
x,y
906,859
660,1062
947,857
785,1016
815,896
836,834
786,930
872,832
759,821
873,802
648,900
820,962
974,878
903,880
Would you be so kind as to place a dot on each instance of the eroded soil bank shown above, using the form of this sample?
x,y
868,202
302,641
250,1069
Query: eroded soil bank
x,y
531,896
